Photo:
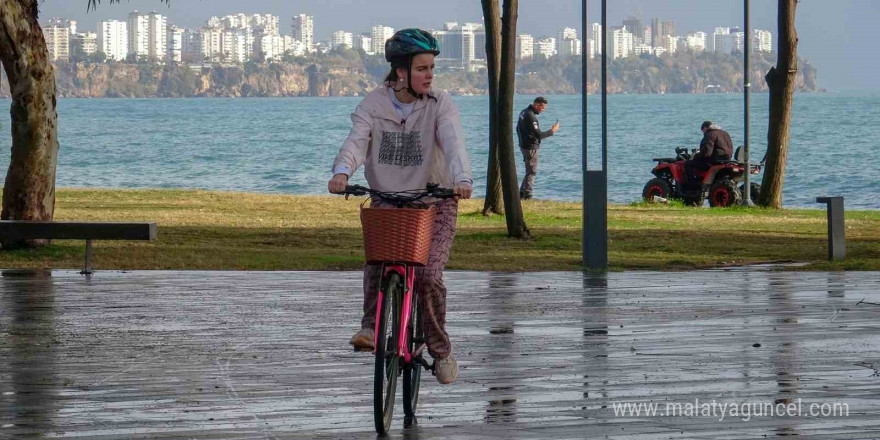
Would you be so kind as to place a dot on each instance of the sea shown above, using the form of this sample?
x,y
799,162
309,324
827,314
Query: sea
x,y
287,145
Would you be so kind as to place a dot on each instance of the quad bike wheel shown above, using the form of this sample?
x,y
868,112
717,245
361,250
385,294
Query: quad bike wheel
x,y
724,193
657,187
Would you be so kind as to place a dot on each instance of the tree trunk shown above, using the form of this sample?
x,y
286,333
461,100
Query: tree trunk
x,y
29,192
782,81
516,225
492,21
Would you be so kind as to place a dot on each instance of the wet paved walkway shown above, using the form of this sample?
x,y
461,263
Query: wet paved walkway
x,y
231,355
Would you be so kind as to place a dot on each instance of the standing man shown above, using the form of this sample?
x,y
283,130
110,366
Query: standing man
x,y
530,135
716,145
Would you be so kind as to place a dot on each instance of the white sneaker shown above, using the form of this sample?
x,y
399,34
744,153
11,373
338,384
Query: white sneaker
x,y
446,370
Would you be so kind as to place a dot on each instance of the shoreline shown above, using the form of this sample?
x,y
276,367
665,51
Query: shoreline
x,y
451,92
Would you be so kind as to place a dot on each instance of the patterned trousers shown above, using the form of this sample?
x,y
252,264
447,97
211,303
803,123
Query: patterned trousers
x,y
429,282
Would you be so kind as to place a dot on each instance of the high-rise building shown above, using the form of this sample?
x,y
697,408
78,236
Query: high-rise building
x,y
635,27
304,30
273,47
83,45
380,34
253,27
565,34
211,43
642,49
113,39
192,47
452,47
259,25
65,23
661,28
461,46
762,40
545,46
697,41
342,38
722,42
148,35
728,40
596,35
233,44
175,43
58,41
669,43
568,47
525,47
622,43
364,42
739,41
479,40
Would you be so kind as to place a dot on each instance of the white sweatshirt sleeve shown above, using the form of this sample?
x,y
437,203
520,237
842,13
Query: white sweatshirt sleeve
x,y
451,138
354,150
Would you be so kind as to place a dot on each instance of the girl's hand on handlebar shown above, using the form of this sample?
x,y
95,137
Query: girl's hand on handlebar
x,y
463,191
338,183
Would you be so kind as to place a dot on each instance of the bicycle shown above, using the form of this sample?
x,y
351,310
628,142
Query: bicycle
x,y
399,342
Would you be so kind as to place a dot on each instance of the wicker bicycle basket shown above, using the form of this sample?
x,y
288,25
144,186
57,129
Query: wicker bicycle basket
x,y
397,234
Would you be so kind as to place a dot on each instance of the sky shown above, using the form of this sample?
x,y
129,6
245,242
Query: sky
x,y
837,36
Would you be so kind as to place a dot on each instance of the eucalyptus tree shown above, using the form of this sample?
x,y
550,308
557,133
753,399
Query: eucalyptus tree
x,y
492,22
782,81
516,225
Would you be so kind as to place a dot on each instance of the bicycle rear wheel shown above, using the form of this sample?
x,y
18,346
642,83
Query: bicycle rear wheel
x,y
387,361
412,373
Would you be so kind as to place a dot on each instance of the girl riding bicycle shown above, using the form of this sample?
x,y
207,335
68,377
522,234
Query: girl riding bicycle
x,y
407,135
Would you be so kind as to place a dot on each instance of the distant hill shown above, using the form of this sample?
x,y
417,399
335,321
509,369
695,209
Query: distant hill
x,y
353,73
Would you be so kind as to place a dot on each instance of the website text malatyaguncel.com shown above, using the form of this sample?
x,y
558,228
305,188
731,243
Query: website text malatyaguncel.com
x,y
744,411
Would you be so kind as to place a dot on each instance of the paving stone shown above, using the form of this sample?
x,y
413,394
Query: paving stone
x,y
264,355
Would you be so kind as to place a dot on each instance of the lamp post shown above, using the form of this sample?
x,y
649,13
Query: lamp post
x,y
595,190
747,186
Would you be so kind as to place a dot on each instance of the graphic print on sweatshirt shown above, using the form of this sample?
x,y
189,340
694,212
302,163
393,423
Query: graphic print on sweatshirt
x,y
401,149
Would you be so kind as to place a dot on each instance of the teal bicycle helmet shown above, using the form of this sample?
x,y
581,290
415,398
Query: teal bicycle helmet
x,y
404,45
410,42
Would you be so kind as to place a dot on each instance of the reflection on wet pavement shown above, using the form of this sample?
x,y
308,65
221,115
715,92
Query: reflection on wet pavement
x,y
542,355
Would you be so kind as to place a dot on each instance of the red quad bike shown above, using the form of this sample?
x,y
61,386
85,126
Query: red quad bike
x,y
722,184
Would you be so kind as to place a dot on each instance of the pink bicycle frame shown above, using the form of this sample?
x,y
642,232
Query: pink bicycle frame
x,y
409,277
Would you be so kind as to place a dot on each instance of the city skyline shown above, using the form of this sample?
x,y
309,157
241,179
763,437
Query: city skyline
x,y
241,37
831,36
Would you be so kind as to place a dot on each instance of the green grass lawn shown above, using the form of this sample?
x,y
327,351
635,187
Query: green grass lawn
x,y
238,231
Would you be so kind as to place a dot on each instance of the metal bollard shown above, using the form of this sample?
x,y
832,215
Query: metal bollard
x,y
836,227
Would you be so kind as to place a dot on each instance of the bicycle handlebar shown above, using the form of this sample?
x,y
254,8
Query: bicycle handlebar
x,y
401,197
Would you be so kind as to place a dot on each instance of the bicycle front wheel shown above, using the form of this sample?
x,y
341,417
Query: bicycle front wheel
x,y
387,361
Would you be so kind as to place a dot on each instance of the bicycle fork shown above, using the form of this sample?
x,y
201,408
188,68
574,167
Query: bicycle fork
x,y
409,277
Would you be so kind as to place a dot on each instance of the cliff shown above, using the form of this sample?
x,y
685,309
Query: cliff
x,y
175,81
351,73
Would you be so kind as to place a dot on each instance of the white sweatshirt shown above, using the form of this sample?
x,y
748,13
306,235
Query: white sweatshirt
x,y
404,154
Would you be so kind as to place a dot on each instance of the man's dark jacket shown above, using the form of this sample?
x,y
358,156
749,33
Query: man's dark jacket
x,y
716,145
528,131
